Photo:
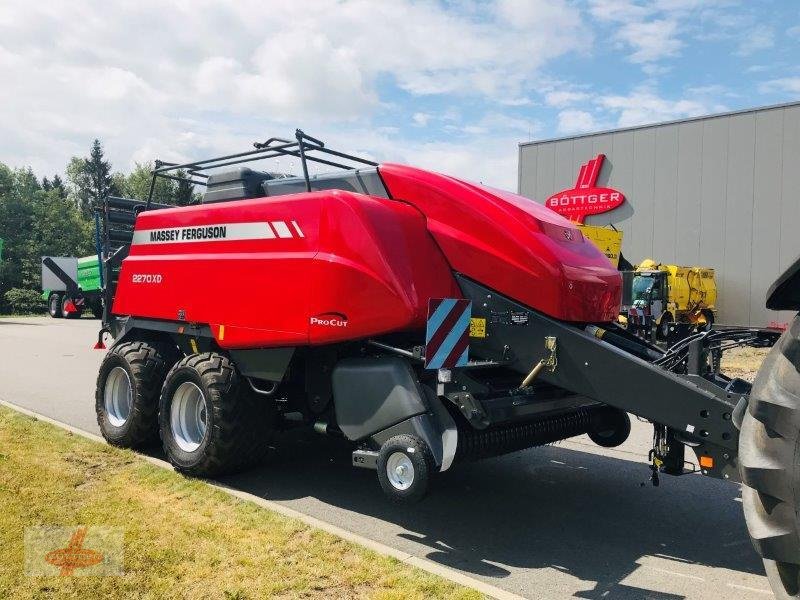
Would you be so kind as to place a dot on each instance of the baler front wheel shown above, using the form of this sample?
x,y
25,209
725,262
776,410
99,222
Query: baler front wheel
x,y
769,459
210,421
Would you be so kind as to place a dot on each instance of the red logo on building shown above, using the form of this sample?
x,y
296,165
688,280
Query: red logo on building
x,y
585,199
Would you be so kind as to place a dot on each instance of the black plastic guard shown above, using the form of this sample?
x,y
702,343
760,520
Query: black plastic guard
x,y
784,294
372,394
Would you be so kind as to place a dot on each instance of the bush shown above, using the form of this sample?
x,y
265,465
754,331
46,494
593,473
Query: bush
x,y
24,301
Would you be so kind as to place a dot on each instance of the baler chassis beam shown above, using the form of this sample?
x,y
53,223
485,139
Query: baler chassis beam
x,y
698,410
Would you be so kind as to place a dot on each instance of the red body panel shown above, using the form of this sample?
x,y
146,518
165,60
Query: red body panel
x,y
290,270
512,244
324,267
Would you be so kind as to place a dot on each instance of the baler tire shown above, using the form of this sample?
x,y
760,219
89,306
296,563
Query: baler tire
x,y
769,464
416,452
239,425
54,306
616,436
146,364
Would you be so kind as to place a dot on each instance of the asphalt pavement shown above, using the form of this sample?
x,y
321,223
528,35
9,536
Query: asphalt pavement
x,y
563,521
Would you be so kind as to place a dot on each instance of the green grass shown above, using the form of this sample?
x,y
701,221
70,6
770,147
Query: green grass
x,y
183,538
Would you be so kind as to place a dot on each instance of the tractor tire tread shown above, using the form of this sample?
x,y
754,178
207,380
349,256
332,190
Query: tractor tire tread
x,y
769,459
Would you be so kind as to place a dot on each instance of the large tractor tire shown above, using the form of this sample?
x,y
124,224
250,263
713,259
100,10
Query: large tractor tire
x,y
211,421
128,388
769,458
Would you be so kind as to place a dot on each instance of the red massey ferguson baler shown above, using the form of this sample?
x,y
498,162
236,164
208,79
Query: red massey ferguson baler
x,y
425,319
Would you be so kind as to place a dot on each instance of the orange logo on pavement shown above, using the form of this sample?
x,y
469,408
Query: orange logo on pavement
x,y
74,556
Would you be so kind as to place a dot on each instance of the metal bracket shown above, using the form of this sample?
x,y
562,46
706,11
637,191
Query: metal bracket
x,y
551,345
550,362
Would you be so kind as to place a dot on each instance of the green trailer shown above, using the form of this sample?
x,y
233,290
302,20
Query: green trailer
x,y
72,285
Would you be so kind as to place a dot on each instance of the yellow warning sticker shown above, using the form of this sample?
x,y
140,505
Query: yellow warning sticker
x,y
477,328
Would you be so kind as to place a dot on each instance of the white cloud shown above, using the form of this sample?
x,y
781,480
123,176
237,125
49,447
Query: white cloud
x,y
789,85
639,28
562,98
484,161
618,10
761,37
576,121
421,119
204,77
653,30
651,40
643,107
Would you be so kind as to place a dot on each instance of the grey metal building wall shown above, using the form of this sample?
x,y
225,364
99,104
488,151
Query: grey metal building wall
x,y
721,191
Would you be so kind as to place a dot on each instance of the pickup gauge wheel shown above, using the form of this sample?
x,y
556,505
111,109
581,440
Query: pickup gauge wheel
x,y
405,468
614,431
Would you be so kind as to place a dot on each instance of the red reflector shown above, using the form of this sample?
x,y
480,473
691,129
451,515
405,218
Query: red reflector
x,y
99,346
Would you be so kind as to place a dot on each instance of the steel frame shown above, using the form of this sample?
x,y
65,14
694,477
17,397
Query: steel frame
x,y
305,147
701,411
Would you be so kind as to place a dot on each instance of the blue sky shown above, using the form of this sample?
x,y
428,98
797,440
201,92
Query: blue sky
x,y
452,86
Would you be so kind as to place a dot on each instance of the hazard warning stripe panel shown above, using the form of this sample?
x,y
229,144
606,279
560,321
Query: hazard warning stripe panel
x,y
447,333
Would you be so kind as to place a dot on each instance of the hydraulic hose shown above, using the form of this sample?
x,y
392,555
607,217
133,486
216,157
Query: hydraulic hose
x,y
623,343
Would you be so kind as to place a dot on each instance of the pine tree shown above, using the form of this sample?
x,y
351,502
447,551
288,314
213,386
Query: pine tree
x,y
55,184
91,179
58,184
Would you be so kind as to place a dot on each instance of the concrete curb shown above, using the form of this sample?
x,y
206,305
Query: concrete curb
x,y
382,549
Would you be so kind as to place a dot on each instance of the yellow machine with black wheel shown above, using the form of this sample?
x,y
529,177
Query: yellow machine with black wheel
x,y
662,294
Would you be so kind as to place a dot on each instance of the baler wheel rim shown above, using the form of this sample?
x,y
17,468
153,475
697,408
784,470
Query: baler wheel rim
x,y
188,416
400,470
118,396
410,484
